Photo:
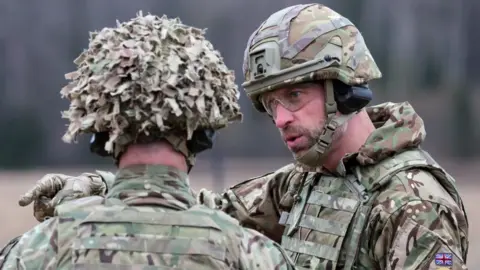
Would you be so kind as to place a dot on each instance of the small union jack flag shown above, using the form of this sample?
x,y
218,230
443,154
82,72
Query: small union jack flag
x,y
443,259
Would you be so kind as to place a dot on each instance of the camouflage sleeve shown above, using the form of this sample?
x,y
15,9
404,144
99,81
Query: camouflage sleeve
x,y
259,252
256,202
107,177
36,249
7,249
419,226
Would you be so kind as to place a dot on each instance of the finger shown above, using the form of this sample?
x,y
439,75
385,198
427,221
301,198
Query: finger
x,y
29,196
42,209
65,195
200,197
47,186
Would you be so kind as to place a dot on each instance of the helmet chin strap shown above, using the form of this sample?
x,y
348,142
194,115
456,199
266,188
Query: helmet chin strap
x,y
315,157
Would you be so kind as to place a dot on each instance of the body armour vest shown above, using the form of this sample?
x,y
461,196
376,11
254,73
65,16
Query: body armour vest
x,y
112,235
323,229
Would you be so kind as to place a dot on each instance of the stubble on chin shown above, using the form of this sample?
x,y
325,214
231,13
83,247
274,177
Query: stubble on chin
x,y
313,136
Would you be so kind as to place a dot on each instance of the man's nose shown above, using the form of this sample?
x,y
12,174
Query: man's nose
x,y
283,117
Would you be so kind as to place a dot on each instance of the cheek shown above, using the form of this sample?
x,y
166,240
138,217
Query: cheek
x,y
311,115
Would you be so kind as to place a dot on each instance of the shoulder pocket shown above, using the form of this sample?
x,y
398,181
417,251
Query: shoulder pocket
x,y
413,245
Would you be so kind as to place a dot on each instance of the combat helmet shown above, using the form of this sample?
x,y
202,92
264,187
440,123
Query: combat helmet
x,y
147,79
308,43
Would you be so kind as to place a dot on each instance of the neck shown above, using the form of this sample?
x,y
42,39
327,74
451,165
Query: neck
x,y
356,134
158,153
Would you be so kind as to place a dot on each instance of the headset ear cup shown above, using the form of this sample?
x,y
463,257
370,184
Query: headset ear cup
x,y
349,98
97,144
202,139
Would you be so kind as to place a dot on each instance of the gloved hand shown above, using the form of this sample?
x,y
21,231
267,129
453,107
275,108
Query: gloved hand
x,y
53,188
211,199
227,202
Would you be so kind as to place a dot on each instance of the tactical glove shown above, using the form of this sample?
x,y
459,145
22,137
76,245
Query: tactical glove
x,y
211,199
52,189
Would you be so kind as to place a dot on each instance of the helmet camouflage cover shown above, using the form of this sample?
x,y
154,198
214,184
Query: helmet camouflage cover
x,y
305,43
149,76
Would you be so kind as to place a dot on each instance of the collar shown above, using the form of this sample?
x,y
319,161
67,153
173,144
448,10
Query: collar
x,y
153,185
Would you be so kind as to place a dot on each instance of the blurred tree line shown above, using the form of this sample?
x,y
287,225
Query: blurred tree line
x,y
425,49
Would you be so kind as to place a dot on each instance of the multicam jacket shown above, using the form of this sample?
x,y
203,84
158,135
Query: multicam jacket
x,y
389,206
148,220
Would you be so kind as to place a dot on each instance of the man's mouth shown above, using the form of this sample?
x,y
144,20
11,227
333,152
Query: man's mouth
x,y
292,140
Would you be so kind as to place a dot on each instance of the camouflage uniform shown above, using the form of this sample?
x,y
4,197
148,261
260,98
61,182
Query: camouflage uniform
x,y
149,218
391,207
403,210
388,206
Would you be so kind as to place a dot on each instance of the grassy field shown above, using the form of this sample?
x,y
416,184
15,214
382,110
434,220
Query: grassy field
x,y
16,220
